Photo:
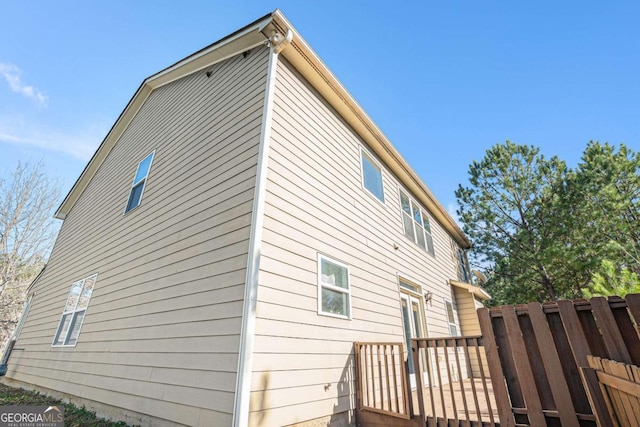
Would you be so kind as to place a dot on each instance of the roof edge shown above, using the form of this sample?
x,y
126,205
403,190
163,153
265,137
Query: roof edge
x,y
309,64
245,38
475,290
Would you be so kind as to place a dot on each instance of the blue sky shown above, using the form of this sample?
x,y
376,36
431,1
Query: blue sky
x,y
443,80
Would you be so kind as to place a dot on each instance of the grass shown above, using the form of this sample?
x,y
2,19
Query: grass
x,y
73,416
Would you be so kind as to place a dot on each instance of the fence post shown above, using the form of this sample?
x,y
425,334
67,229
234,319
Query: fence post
x,y
359,388
415,351
495,370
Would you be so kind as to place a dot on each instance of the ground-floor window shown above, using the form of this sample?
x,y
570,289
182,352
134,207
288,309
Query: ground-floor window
x,y
74,311
334,290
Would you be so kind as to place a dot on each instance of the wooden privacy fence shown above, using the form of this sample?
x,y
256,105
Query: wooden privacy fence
x,y
382,379
452,383
535,354
614,392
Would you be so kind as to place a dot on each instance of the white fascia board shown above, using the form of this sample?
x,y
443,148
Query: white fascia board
x,y
472,289
246,39
307,62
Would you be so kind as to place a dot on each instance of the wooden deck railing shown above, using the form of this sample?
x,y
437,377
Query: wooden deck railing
x,y
542,359
452,381
381,382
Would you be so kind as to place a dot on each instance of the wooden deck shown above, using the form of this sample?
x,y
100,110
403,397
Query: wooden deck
x,y
463,405
460,392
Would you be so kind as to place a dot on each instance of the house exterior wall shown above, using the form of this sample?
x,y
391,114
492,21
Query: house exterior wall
x,y
162,330
315,204
467,306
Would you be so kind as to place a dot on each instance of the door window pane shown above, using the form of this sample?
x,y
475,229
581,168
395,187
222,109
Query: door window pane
x,y
407,332
453,326
415,309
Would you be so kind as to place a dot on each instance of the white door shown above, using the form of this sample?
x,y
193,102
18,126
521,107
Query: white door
x,y
412,319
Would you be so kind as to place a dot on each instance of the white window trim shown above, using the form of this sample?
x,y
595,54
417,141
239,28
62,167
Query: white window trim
x,y
464,265
424,213
73,313
333,288
144,186
364,151
453,313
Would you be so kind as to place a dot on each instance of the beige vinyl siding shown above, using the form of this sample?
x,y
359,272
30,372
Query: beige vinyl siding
x,y
162,330
315,203
466,304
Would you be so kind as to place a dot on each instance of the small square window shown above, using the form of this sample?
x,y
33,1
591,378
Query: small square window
x,y
74,312
139,181
372,176
334,290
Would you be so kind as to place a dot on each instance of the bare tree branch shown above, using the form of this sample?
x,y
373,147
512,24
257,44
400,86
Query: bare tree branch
x,y
27,200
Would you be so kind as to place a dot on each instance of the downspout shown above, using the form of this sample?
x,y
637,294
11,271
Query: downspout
x,y
276,43
10,347
5,357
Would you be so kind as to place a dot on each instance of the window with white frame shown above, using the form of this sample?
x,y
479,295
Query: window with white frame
x,y
74,312
464,273
139,181
334,290
372,176
453,326
415,223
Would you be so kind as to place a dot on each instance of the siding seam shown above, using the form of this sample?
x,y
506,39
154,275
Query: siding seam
x,y
247,334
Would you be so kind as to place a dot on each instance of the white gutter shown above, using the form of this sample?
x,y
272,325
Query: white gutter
x,y
277,42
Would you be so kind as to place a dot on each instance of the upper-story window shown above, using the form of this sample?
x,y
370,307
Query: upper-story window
x,y
334,291
372,176
74,311
464,273
139,181
416,223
